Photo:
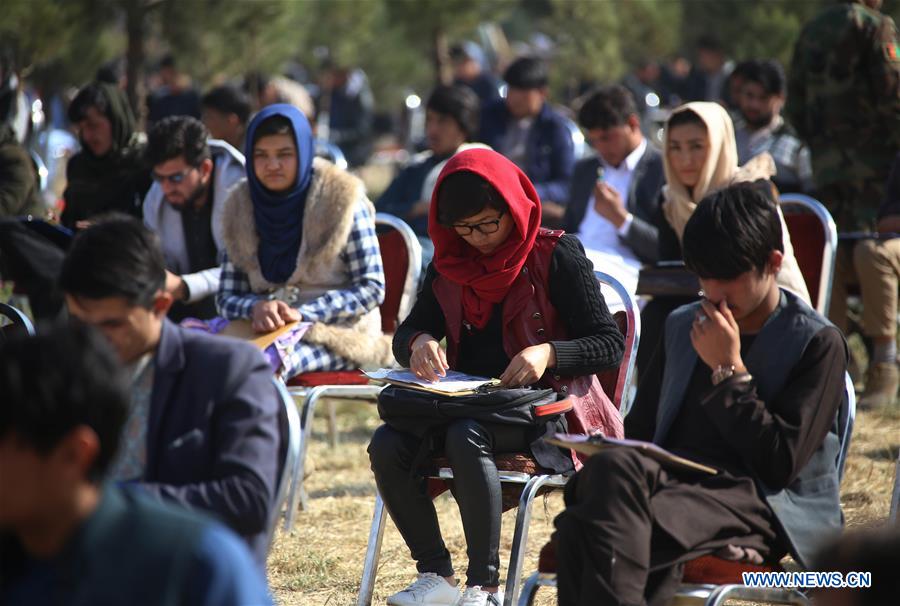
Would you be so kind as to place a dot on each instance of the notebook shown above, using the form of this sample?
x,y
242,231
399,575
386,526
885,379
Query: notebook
x,y
454,384
592,444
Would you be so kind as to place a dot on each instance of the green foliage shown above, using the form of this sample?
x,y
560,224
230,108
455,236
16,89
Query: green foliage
x,y
400,43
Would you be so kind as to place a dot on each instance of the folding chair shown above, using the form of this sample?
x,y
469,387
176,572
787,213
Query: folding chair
x,y
814,237
401,255
711,581
290,430
520,470
18,322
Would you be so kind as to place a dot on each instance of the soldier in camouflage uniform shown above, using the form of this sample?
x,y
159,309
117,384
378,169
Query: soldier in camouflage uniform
x,y
844,101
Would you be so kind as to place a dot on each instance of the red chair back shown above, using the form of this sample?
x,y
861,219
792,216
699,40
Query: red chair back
x,y
808,240
401,258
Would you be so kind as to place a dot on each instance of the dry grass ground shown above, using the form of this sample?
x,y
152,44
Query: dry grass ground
x,y
321,561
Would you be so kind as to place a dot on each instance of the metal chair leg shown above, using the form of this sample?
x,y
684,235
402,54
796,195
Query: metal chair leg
x,y
373,552
332,424
297,495
520,538
529,590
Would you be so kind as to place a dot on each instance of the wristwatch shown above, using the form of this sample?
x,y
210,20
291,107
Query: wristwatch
x,y
721,373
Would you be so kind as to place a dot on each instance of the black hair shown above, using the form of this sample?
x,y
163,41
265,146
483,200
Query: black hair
x,y
732,231
769,75
743,68
177,136
111,72
709,42
273,125
687,116
607,107
117,256
458,102
464,194
168,60
228,99
527,73
872,550
90,96
63,378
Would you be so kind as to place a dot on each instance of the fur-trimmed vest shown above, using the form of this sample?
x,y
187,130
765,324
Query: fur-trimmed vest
x,y
327,221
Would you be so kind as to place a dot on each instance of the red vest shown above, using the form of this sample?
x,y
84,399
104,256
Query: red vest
x,y
529,318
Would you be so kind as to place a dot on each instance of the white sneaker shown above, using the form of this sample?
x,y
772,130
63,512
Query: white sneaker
x,y
474,596
428,589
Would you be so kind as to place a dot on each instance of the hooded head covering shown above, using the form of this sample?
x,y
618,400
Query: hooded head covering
x,y
279,216
120,117
720,169
486,278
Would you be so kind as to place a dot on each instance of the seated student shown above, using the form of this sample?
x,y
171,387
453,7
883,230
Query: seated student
x,y
108,174
202,429
451,119
524,128
760,127
226,110
20,193
185,205
700,157
614,196
66,536
301,245
515,302
749,381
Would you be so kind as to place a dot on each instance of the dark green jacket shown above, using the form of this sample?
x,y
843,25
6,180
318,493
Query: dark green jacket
x,y
19,192
844,93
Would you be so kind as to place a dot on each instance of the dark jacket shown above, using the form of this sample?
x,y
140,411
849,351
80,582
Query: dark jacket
x,y
643,201
131,550
213,436
551,152
19,191
789,446
118,180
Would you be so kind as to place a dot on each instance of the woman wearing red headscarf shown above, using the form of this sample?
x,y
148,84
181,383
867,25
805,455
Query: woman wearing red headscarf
x,y
514,301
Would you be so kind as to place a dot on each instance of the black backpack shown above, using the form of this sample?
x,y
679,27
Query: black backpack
x,y
420,412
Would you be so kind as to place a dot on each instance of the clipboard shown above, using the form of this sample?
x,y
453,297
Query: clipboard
x,y
590,445
243,329
454,384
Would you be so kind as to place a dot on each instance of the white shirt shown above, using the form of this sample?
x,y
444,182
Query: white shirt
x,y
595,232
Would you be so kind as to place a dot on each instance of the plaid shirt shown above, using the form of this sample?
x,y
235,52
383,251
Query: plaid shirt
x,y
362,257
790,154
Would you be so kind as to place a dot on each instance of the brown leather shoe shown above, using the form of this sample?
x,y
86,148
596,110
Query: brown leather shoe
x,y
882,382
547,557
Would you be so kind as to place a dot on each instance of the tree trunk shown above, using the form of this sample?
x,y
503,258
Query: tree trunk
x,y
135,13
441,57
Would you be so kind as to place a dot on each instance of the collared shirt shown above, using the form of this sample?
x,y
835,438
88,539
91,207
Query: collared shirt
x,y
515,143
791,156
132,456
597,233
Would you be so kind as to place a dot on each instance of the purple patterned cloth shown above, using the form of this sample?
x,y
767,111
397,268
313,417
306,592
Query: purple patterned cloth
x,y
277,354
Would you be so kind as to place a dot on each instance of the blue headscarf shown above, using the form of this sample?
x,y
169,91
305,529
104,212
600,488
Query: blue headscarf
x,y
279,217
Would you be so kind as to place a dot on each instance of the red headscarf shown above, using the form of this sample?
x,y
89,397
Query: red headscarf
x,y
485,279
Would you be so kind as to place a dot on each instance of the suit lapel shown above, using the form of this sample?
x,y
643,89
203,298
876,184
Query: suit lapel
x,y
167,366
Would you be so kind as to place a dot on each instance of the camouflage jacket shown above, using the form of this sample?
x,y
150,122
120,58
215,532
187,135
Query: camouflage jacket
x,y
844,93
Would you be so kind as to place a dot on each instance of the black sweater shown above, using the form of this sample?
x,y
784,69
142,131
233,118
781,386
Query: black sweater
x,y
595,342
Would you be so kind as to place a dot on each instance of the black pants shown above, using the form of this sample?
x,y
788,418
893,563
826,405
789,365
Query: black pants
x,y
470,448
629,526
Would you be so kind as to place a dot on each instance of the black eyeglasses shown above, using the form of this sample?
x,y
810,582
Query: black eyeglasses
x,y
175,179
485,227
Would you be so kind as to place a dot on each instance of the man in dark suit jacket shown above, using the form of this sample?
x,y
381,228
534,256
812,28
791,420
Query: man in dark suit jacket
x,y
615,195
524,128
203,426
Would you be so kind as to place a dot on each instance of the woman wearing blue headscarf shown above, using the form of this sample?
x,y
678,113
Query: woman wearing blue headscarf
x,y
300,244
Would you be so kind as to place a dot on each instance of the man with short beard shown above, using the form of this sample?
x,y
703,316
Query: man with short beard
x,y
192,177
760,128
